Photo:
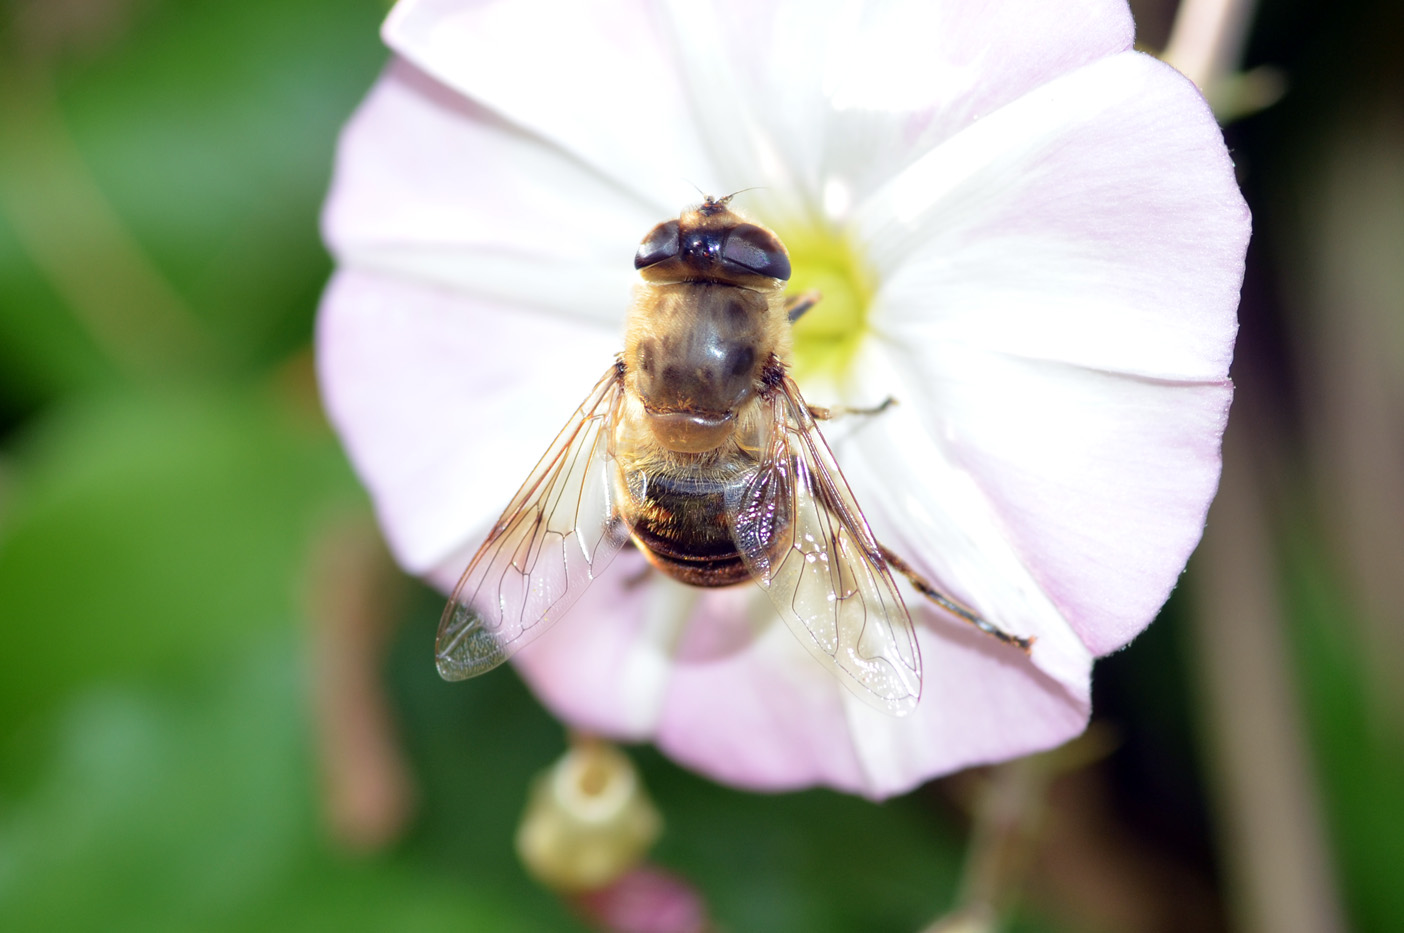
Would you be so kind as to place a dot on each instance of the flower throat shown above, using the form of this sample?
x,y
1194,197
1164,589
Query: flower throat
x,y
827,337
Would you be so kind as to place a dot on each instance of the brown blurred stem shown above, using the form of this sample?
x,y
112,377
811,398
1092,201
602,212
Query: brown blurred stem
x,y
351,595
1011,830
1275,851
1008,814
1206,41
1346,296
1206,44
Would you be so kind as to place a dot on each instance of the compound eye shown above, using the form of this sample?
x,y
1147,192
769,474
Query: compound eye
x,y
757,250
660,244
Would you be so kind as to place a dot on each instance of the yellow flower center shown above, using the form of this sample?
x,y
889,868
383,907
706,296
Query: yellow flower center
x,y
827,337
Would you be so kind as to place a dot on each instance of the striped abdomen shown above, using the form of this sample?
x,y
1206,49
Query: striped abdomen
x,y
680,523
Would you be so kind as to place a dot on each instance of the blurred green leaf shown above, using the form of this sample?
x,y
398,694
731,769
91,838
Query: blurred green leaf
x,y
1359,748
190,152
195,808
149,532
813,861
816,860
246,132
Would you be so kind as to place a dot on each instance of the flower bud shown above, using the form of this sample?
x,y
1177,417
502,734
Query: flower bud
x,y
587,820
647,899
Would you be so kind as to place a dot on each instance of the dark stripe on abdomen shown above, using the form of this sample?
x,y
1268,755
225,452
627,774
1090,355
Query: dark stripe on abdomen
x,y
680,524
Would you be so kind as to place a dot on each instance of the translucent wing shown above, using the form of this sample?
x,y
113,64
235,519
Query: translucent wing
x,y
559,532
808,546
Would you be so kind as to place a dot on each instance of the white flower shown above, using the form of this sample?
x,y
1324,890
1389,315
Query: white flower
x,y
1027,233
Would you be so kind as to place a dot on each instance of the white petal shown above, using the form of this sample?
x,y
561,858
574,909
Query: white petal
x,y
724,688
800,98
607,666
830,98
981,702
932,512
1096,485
771,718
1095,221
597,79
432,187
445,402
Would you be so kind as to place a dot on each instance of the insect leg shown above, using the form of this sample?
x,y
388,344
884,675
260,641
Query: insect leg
x,y
820,413
796,305
950,605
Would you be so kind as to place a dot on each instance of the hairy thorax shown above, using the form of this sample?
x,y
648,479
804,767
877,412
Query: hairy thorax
x,y
694,352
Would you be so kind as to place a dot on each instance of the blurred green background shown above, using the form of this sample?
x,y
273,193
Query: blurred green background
x,y
194,736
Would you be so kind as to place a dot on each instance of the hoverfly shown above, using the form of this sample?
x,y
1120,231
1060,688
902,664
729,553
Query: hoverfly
x,y
697,446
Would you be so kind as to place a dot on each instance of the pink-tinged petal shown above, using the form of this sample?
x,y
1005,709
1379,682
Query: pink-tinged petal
x,y
431,186
606,666
1103,481
934,514
445,402
1095,222
723,687
769,718
713,677
1097,484
982,702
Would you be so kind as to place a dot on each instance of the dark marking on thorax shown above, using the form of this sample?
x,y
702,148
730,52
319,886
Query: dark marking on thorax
x,y
704,348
